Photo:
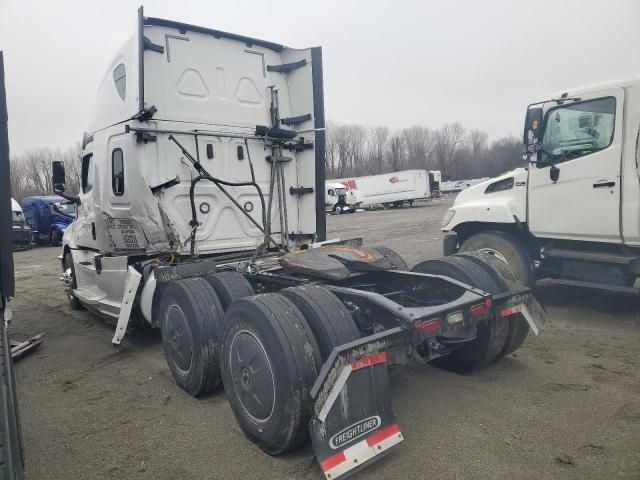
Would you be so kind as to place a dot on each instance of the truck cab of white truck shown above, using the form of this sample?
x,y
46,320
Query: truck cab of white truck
x,y
574,214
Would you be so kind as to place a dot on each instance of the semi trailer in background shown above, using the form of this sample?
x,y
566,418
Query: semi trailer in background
x,y
389,190
202,213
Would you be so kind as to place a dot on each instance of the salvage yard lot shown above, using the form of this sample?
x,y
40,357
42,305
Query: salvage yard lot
x,y
566,405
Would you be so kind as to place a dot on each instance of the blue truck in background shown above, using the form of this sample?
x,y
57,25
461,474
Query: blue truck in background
x,y
48,217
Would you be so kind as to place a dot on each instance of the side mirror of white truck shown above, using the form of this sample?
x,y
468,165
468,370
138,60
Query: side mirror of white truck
x,y
532,126
59,182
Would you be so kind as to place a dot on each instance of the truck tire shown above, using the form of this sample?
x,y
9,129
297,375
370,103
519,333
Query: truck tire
x,y
492,333
190,317
270,360
518,326
74,303
230,286
394,257
507,248
330,321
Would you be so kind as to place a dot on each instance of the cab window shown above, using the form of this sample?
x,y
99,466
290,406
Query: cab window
x,y
117,172
87,173
577,129
331,193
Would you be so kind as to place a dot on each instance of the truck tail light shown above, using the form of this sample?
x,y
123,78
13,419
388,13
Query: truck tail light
x,y
428,326
478,310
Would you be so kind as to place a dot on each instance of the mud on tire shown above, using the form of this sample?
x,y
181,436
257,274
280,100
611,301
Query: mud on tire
x,y
330,321
518,326
230,286
270,360
190,314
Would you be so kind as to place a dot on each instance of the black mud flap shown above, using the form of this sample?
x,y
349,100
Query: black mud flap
x,y
524,304
353,425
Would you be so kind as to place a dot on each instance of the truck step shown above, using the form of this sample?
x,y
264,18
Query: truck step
x,y
598,286
603,257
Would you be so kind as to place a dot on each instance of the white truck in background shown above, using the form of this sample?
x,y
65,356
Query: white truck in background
x,y
390,190
337,199
202,213
435,179
573,215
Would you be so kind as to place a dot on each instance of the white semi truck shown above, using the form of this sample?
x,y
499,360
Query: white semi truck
x,y
202,213
574,214
391,190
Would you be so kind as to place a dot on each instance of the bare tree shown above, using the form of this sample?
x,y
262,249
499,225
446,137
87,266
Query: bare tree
x,y
478,142
448,139
419,144
378,145
398,152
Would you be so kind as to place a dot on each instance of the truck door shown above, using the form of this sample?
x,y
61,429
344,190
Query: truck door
x,y
574,188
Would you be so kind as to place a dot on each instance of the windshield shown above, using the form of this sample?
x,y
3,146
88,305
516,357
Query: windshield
x,y
18,218
341,191
578,129
68,208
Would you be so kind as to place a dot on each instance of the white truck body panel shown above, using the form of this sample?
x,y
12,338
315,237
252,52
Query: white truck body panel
x,y
475,204
596,197
200,82
388,187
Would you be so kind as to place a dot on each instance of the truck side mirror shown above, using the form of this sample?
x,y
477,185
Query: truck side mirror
x,y
554,173
532,126
58,177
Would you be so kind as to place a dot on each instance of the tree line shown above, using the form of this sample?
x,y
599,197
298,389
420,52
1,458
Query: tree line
x,y
351,150
31,171
458,153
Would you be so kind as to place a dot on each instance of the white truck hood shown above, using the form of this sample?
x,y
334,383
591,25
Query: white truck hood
x,y
498,200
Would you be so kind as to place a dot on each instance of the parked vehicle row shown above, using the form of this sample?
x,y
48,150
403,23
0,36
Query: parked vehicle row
x,y
41,220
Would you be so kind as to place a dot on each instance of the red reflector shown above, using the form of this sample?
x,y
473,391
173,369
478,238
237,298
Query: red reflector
x,y
430,326
370,360
478,310
332,461
488,302
417,324
506,311
383,434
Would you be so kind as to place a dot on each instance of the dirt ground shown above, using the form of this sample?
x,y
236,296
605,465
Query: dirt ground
x,y
565,406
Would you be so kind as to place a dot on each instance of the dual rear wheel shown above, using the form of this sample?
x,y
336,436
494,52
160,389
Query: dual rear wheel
x,y
267,349
497,336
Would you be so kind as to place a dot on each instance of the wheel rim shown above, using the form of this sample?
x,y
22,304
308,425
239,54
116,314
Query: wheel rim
x,y
495,253
179,335
252,375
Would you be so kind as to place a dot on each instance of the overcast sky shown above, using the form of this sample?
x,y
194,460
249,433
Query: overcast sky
x,y
395,63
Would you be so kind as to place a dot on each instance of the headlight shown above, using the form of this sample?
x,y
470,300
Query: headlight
x,y
448,217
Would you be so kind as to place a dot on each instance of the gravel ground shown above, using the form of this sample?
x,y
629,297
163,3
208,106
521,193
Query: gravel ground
x,y
565,406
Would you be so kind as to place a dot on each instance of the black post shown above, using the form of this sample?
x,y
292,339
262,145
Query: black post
x,y
11,459
6,224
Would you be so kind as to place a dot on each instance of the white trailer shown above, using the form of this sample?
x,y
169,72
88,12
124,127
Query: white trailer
x,y
391,190
202,213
